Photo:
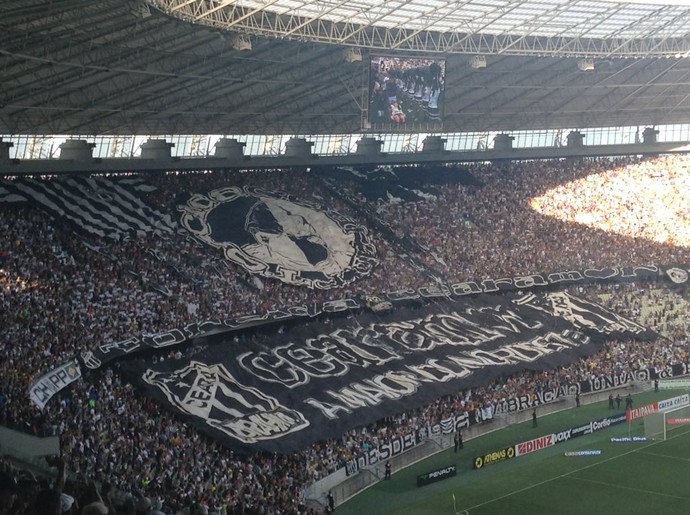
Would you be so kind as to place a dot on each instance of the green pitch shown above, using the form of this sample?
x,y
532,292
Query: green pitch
x,y
650,477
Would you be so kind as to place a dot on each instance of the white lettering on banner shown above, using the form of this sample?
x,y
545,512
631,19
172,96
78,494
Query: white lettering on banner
x,y
488,285
642,411
433,371
564,276
529,281
492,285
534,445
46,386
597,425
672,371
401,384
333,355
585,430
124,346
607,382
674,402
627,439
563,436
326,356
607,422
381,453
327,409
437,473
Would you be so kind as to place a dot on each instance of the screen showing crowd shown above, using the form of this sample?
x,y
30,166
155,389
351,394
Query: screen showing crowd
x,y
406,90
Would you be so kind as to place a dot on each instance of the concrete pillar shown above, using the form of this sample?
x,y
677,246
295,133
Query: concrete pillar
x,y
156,149
649,136
503,142
434,144
575,139
298,147
369,147
77,150
229,148
5,147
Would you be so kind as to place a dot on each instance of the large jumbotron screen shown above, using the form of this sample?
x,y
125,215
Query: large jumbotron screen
x,y
406,91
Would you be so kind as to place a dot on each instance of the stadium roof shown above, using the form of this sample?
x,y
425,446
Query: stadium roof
x,y
503,26
292,66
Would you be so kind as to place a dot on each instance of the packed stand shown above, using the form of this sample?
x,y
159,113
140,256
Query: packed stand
x,y
59,299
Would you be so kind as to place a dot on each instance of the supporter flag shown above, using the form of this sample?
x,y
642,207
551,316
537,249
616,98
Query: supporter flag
x,y
285,390
274,235
97,206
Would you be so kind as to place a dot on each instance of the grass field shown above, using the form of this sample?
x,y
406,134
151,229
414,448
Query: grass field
x,y
650,477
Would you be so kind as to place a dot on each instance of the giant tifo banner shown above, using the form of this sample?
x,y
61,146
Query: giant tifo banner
x,y
274,235
282,392
102,207
109,351
268,233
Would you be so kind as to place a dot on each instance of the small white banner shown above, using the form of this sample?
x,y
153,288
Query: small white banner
x,y
49,384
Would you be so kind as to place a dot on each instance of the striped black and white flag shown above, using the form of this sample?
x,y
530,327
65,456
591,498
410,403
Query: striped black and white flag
x,y
99,206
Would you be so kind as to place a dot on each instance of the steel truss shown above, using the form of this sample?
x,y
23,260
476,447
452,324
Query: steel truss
x,y
527,27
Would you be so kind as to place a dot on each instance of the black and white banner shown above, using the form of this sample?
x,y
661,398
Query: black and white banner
x,y
672,274
109,351
595,384
277,236
285,391
381,452
97,206
43,388
400,183
407,248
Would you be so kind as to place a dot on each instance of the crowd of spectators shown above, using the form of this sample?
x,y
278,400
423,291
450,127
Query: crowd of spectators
x,y
60,298
508,235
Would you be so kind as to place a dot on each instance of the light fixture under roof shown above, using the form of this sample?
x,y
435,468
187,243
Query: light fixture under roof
x,y
586,65
353,55
478,61
242,43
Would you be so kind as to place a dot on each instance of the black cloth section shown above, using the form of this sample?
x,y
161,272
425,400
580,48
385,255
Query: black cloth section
x,y
108,351
407,183
274,235
282,392
406,247
105,208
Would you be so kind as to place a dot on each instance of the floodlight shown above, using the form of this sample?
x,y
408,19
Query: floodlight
x,y
242,43
353,55
478,61
585,65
